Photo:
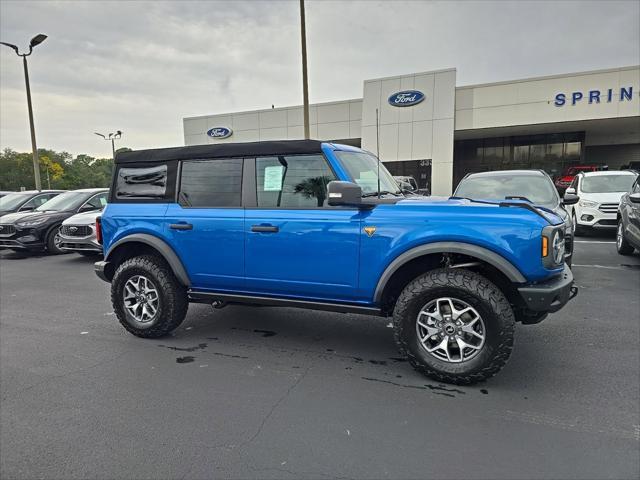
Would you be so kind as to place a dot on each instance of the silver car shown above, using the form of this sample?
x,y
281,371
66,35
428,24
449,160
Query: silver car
x,y
78,234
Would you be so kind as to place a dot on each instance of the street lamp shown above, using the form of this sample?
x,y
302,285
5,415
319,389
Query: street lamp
x,y
305,83
37,40
111,137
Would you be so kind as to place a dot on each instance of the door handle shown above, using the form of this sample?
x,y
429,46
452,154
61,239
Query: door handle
x,y
181,226
264,228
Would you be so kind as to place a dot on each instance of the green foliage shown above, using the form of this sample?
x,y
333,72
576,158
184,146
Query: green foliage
x,y
57,170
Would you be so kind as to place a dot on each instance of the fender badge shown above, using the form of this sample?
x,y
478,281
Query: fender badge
x,y
370,231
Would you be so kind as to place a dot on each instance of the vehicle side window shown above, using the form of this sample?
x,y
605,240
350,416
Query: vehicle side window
x,y
636,187
141,182
30,204
211,183
574,183
292,181
98,201
40,199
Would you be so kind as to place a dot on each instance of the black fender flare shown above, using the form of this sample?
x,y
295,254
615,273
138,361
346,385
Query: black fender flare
x,y
481,253
162,247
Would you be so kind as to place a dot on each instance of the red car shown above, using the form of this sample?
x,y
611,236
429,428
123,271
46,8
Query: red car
x,y
566,177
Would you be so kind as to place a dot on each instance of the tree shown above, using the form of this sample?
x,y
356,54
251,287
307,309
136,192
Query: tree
x,y
65,172
53,171
313,187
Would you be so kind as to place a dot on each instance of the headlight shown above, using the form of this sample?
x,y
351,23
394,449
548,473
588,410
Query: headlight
x,y
552,246
588,204
31,223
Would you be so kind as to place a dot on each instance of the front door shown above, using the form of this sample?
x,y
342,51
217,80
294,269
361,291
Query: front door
x,y
206,227
296,245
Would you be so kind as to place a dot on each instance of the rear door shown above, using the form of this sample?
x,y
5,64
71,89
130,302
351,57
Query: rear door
x,y
296,245
206,226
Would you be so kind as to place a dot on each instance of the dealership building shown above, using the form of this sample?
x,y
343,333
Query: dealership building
x,y
437,132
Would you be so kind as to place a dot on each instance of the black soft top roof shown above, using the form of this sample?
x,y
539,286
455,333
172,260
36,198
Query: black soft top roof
x,y
221,150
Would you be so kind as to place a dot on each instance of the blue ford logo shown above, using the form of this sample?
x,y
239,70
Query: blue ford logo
x,y
219,132
406,98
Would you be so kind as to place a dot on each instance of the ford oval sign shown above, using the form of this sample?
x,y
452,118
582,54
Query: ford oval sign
x,y
220,132
406,98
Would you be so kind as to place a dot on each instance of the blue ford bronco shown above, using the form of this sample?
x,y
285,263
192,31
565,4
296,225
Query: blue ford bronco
x,y
313,225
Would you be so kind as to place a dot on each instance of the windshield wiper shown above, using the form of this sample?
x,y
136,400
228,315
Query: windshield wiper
x,y
383,192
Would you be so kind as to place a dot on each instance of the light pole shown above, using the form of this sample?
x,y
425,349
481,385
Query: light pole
x,y
305,86
111,137
37,40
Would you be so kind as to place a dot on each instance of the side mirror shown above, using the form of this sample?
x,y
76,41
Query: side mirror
x,y
344,194
570,191
570,199
28,208
634,197
86,208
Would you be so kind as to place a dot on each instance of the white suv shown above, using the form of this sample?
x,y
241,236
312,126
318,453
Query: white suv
x,y
599,194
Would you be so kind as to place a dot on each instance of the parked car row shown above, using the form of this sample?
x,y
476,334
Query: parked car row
x,y
53,221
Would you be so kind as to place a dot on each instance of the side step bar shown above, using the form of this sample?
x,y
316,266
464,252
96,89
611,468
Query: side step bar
x,y
211,297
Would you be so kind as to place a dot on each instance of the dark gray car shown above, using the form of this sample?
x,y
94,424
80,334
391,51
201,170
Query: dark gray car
x,y
628,233
534,186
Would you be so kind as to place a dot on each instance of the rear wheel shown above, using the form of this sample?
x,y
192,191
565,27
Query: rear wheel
x,y
454,326
147,298
623,247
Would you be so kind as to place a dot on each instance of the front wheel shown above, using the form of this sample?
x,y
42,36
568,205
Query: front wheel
x,y
623,247
147,298
578,231
454,326
54,241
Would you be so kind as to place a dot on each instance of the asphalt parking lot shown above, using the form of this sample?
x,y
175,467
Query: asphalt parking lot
x,y
248,392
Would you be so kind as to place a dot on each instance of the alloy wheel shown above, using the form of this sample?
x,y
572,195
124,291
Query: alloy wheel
x,y
141,299
451,330
619,236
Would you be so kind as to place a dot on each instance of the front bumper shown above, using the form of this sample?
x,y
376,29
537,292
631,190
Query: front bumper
x,y
596,218
551,295
99,268
76,244
28,238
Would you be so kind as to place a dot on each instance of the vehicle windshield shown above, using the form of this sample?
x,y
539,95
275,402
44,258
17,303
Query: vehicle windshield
x,y
64,202
536,188
13,200
363,169
607,183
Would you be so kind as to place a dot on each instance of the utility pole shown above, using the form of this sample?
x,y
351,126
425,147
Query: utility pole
x,y
37,40
305,83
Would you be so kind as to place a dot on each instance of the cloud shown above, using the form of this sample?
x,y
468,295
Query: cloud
x,y
142,66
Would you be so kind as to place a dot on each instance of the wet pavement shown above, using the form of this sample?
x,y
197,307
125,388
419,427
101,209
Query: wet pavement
x,y
248,392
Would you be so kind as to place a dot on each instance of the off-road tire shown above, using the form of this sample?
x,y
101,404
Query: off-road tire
x,y
52,249
478,292
173,300
622,245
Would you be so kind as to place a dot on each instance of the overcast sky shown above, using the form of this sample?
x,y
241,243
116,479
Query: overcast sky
x,y
142,66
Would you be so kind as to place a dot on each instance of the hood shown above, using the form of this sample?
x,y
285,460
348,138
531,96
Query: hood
x,y
550,216
84,218
50,216
611,197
